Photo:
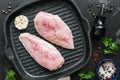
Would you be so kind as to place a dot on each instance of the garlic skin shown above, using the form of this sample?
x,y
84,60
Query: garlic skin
x,y
21,22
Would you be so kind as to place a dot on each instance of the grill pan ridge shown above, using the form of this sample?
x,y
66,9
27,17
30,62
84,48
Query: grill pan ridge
x,y
74,59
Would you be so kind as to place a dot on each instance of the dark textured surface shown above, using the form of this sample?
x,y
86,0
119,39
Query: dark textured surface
x,y
5,64
112,24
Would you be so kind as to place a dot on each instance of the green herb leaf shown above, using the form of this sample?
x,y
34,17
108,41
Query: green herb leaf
x,y
107,51
87,76
107,41
113,46
10,75
81,74
110,46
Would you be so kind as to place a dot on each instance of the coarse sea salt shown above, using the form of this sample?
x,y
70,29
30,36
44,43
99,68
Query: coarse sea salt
x,y
107,70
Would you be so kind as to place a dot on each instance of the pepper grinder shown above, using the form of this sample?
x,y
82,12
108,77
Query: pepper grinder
x,y
99,28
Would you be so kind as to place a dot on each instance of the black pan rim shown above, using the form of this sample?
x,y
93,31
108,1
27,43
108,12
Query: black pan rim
x,y
74,5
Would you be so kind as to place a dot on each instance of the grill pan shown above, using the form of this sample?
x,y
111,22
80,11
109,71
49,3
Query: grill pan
x,y
74,59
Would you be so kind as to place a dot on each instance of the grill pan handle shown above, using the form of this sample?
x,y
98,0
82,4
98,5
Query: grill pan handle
x,y
86,25
9,53
85,22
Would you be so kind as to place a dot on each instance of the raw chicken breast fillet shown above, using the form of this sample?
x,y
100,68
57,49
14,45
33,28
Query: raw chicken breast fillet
x,y
52,28
42,52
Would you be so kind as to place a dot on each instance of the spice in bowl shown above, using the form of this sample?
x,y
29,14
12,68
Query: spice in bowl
x,y
107,70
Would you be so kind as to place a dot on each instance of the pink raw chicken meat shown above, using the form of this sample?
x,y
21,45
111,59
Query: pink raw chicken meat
x,y
52,28
42,52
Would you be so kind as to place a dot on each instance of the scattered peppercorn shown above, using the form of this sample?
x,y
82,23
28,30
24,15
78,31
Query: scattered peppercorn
x,y
107,78
3,11
112,68
102,75
99,48
109,71
9,9
6,12
93,14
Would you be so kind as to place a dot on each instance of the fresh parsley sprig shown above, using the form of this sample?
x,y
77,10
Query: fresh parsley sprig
x,y
87,76
110,46
10,75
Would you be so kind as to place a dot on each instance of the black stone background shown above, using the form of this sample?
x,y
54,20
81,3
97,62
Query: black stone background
x,y
112,25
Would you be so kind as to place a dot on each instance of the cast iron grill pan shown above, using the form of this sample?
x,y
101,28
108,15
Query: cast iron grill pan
x,y
74,59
